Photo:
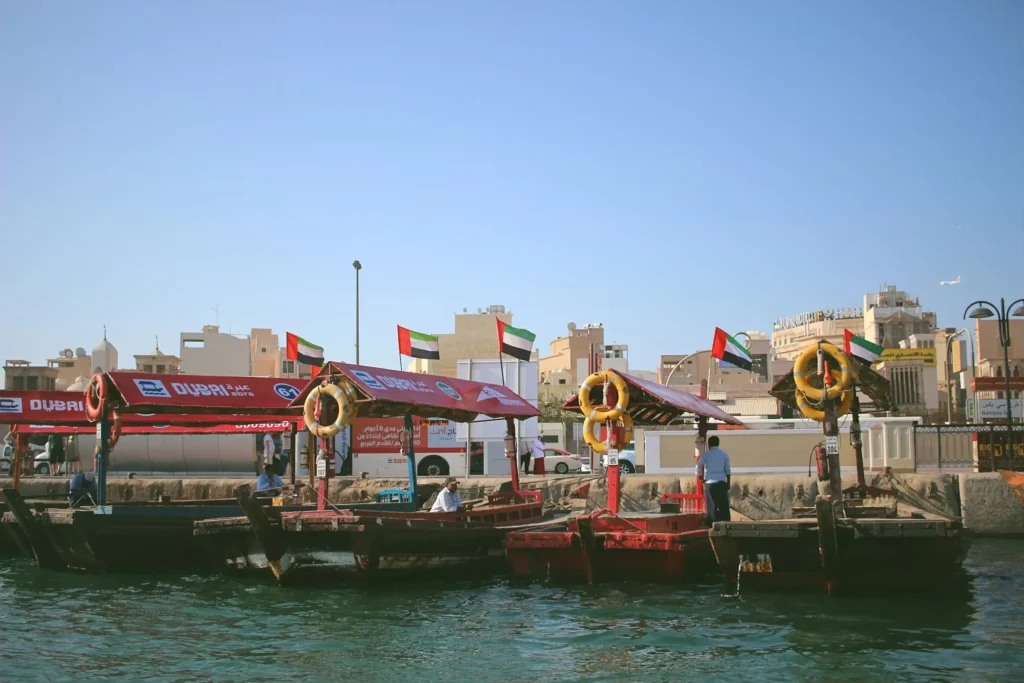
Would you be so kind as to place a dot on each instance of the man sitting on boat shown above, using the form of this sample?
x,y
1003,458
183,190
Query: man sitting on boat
x,y
713,467
448,498
269,481
82,490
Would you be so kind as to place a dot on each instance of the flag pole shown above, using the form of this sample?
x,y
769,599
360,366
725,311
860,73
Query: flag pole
x,y
501,360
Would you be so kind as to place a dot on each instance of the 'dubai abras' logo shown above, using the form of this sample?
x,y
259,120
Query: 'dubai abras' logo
x,y
449,391
152,388
286,391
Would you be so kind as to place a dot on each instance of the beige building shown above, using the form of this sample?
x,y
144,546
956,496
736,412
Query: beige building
x,y
791,335
270,358
212,352
890,316
475,337
158,362
21,375
990,354
569,357
70,366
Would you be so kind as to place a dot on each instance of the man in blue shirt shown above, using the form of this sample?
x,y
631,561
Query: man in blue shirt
x,y
713,467
269,482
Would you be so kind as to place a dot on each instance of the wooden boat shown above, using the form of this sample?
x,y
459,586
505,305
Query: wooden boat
x,y
844,543
336,543
137,535
608,545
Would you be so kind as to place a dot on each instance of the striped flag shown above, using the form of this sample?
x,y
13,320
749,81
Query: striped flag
x,y
514,341
861,349
727,349
305,352
417,345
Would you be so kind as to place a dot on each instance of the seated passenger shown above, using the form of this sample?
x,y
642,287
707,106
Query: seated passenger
x,y
269,482
448,499
83,490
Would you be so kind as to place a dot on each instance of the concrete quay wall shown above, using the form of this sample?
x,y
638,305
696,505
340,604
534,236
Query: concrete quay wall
x,y
986,502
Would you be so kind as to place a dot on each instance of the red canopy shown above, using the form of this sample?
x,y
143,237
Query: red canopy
x,y
651,403
249,428
137,392
62,408
393,393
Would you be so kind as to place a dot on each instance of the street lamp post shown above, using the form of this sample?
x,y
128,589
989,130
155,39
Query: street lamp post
x,y
358,266
986,309
711,360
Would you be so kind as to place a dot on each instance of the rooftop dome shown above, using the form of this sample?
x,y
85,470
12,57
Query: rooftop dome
x,y
78,384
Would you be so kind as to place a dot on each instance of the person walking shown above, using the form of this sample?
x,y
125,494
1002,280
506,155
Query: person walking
x,y
713,467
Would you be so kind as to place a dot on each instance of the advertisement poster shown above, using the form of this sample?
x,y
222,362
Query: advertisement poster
x,y
383,435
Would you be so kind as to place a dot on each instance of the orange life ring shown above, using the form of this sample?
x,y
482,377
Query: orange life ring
x,y
96,397
115,429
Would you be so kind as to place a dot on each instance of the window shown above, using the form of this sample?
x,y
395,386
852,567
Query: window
x,y
561,381
18,383
263,349
1016,372
193,343
32,384
147,368
287,367
161,369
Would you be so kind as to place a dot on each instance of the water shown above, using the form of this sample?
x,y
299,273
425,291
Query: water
x,y
186,628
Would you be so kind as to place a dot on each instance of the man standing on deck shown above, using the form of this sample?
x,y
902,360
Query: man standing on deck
x,y
713,467
448,498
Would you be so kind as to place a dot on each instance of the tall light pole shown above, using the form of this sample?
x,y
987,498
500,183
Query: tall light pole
x,y
358,266
987,309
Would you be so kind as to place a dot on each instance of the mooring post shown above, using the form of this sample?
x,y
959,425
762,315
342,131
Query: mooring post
x,y
831,427
295,448
102,455
858,442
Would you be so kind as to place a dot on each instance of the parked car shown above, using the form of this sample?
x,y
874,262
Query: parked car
x,y
561,462
7,459
627,461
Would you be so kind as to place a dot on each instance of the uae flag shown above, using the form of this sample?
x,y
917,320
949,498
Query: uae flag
x,y
861,349
515,342
417,345
306,353
727,349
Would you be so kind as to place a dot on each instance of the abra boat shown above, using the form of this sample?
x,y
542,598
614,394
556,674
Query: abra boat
x,y
670,545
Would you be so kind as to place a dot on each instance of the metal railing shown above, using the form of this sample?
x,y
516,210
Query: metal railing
x,y
977,447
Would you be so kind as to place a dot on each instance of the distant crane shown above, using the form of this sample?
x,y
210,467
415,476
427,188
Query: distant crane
x,y
951,282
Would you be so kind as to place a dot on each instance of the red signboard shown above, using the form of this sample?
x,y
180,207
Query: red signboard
x,y
150,393
996,384
393,393
68,408
383,435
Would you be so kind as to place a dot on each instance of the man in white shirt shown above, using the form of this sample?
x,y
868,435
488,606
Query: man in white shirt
x,y
268,449
713,467
448,499
537,450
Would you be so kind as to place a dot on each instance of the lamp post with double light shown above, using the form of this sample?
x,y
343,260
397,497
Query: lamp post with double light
x,y
1001,313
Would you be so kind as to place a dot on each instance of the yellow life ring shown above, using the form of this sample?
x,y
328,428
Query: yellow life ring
x,y
596,414
806,366
819,415
599,446
345,413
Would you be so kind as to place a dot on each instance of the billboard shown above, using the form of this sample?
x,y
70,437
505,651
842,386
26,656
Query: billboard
x,y
384,435
927,355
996,384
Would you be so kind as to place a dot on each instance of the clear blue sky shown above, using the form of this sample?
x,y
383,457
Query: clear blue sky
x,y
661,167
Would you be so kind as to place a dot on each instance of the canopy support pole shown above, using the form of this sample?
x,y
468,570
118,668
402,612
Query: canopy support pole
x,y
511,453
294,455
410,458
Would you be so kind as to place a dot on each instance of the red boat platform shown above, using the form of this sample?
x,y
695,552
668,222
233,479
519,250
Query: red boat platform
x,y
605,547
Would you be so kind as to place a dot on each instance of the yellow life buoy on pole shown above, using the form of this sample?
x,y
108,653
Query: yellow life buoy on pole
x,y
598,446
806,366
345,411
590,412
813,413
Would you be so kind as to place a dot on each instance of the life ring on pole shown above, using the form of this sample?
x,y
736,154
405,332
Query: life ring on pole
x,y
340,395
813,413
96,397
806,365
598,446
621,401
115,429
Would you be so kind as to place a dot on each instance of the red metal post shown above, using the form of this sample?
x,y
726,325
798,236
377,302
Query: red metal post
x,y
613,488
511,453
321,482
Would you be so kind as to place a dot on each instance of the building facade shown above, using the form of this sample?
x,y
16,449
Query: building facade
x,y
890,316
570,357
212,352
475,336
791,335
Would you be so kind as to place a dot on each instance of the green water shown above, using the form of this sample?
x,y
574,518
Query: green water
x,y
185,628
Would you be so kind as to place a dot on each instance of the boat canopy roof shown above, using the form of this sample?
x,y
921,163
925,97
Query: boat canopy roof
x,y
869,382
138,392
394,393
651,403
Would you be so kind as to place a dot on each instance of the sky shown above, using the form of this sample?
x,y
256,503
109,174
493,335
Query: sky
x,y
660,167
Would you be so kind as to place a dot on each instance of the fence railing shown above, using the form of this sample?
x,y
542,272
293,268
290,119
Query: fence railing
x,y
968,446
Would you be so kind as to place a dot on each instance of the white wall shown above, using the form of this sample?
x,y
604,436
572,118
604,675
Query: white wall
x,y
221,354
521,377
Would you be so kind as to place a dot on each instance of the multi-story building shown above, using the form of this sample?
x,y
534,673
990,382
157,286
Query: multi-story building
x,y
158,362
475,336
21,375
270,359
572,357
212,352
890,316
791,335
